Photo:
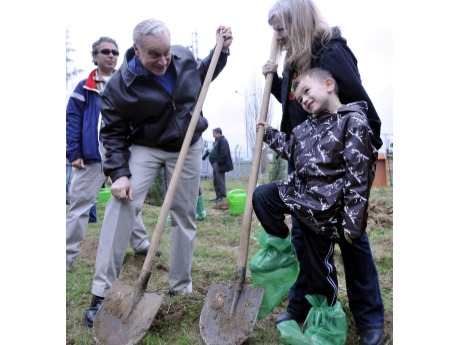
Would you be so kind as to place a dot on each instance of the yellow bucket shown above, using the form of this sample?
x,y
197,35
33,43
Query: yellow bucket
x,y
237,201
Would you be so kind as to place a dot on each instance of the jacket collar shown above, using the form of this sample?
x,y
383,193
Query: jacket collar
x,y
129,76
91,80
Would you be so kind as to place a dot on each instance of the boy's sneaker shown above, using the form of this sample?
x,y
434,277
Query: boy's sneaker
x,y
286,316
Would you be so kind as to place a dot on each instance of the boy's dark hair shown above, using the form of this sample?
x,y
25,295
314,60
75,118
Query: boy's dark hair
x,y
217,130
317,73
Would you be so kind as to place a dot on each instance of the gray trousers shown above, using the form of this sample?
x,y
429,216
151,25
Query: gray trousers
x,y
84,188
219,181
145,163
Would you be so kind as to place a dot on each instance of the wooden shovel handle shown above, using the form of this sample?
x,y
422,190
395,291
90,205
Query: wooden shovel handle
x,y
247,217
150,259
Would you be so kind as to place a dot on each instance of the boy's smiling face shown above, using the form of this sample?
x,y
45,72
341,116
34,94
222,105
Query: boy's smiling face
x,y
313,94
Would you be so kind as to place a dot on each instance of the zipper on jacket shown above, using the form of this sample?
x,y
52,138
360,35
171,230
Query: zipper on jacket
x,y
171,101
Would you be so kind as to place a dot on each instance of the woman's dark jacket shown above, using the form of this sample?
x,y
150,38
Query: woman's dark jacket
x,y
337,58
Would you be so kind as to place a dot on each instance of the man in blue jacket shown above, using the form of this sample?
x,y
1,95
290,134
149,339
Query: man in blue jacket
x,y
84,151
146,110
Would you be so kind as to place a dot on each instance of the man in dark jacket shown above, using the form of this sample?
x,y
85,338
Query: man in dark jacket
x,y
221,161
146,110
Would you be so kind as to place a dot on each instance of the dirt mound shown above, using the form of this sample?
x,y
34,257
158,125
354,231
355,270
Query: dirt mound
x,y
88,249
380,214
222,205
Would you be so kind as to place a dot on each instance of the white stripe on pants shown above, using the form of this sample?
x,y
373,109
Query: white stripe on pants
x,y
145,163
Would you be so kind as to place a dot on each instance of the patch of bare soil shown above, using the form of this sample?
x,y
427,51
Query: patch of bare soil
x,y
380,214
222,205
172,309
88,249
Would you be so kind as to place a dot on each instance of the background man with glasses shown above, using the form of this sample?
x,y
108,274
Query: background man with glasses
x,y
84,151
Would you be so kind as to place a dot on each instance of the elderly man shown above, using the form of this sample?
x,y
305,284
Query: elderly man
x,y
146,110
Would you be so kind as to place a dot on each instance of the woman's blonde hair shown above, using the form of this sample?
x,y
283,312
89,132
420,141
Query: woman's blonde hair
x,y
303,23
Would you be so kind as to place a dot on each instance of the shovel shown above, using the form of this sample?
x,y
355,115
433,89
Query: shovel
x,y
128,312
230,310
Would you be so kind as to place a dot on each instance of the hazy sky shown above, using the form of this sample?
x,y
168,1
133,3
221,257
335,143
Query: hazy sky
x,y
369,36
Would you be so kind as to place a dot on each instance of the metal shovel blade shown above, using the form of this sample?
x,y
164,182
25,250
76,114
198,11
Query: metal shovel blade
x,y
119,321
218,325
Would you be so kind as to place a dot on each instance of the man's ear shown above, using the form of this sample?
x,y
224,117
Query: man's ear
x,y
136,50
330,84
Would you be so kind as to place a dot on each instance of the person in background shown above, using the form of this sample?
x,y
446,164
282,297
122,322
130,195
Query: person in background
x,y
93,214
221,161
83,151
92,211
310,42
144,136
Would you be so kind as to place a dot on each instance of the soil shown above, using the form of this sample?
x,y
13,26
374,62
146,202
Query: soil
x,y
380,215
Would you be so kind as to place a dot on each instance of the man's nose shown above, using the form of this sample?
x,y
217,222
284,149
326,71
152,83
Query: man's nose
x,y
162,61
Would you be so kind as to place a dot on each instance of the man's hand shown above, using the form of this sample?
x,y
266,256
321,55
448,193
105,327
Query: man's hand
x,y
78,163
226,32
121,189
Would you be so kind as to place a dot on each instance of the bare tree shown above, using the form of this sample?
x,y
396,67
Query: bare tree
x,y
253,99
71,71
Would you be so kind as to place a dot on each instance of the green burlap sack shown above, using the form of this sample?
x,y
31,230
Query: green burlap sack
x,y
274,267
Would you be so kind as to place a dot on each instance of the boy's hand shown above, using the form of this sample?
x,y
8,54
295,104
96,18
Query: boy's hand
x,y
260,123
348,238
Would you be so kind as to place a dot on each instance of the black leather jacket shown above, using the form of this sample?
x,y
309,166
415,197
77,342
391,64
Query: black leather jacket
x,y
137,110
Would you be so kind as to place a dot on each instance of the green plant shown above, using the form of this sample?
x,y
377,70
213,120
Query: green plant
x,y
156,193
277,170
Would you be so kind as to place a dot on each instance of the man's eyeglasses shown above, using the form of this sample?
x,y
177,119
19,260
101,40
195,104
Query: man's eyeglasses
x,y
108,51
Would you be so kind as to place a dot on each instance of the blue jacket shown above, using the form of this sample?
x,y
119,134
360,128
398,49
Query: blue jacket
x,y
82,127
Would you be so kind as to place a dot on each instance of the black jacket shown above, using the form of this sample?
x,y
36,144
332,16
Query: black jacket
x,y
221,155
338,59
329,189
137,110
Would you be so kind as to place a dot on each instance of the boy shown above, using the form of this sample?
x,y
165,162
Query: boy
x,y
329,189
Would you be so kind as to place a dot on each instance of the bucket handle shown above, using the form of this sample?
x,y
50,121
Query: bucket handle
x,y
236,191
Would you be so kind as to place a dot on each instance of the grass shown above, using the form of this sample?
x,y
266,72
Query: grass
x,y
215,259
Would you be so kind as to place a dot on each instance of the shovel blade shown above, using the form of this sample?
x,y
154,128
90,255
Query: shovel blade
x,y
119,321
218,325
